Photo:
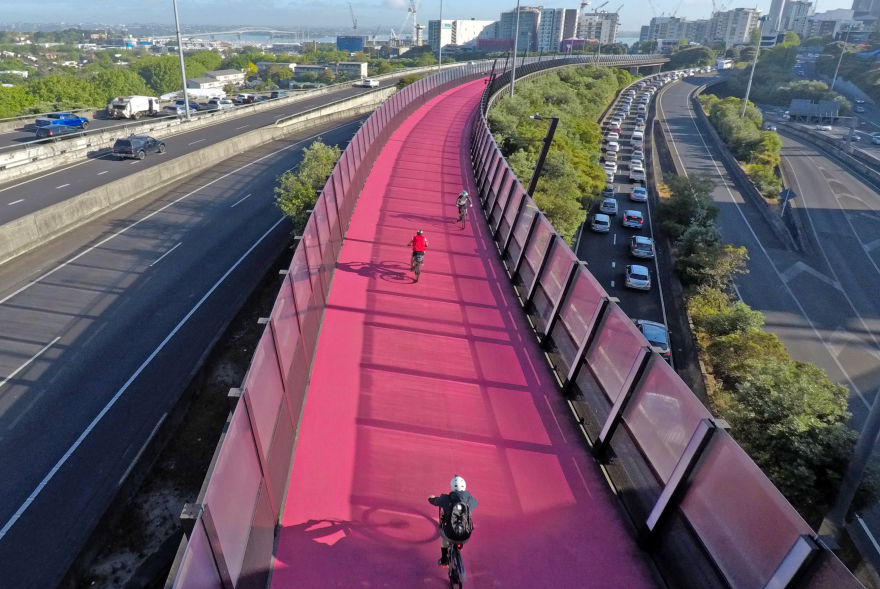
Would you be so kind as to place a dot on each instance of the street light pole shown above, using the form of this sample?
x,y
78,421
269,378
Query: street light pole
x,y
742,113
440,40
515,39
839,59
182,66
548,139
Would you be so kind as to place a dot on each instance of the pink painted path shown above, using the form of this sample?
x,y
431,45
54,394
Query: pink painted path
x,y
416,382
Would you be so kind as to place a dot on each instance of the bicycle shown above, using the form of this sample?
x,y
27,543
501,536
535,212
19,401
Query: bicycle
x,y
417,261
457,575
462,216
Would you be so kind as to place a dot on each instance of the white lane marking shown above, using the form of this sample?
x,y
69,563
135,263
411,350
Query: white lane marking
x,y
612,284
125,387
156,212
242,200
613,264
141,451
165,254
281,115
242,127
62,186
800,267
135,162
615,239
26,364
54,172
101,173
199,141
15,202
770,261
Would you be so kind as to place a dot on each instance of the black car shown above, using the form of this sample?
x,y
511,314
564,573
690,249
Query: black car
x,y
56,132
657,336
137,146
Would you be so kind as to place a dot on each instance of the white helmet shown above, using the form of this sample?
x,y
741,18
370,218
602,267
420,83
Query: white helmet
x,y
457,483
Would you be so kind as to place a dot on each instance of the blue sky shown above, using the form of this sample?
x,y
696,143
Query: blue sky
x,y
370,13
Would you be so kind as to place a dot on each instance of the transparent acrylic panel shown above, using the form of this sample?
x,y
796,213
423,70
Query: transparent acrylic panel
x,y
558,266
744,522
662,416
521,230
316,260
258,556
285,326
197,569
830,573
538,244
614,352
512,209
265,390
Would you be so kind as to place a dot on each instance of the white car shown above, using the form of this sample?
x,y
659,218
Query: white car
x,y
369,83
637,174
638,277
823,127
610,137
220,104
875,139
610,168
611,156
615,122
601,223
612,146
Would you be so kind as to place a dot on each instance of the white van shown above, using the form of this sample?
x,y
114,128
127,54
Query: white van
x,y
637,139
133,107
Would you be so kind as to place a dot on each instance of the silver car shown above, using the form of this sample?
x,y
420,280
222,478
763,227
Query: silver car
x,y
637,277
641,247
608,206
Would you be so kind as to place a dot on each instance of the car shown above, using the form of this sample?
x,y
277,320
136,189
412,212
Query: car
x,y
261,99
632,219
56,132
875,139
639,129
137,147
823,127
279,94
245,99
858,101
637,277
220,104
642,109
610,167
608,206
657,335
67,119
177,110
612,146
859,109
608,191
612,136
192,105
610,156
617,130
641,247
636,161
636,173
369,83
637,153
769,127
615,122
601,223
639,194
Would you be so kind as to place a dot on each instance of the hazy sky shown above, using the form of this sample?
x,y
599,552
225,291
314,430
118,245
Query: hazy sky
x,y
370,13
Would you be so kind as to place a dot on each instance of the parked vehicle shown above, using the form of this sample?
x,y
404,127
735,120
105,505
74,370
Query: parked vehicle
x,y
608,206
632,219
612,136
133,107
639,194
601,223
67,119
637,277
137,146
611,156
56,132
657,335
641,247
610,168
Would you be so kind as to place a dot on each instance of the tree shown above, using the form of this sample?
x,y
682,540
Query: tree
x,y
15,101
119,82
162,74
702,259
792,39
276,73
297,192
689,204
691,57
426,59
210,60
383,67
327,76
65,90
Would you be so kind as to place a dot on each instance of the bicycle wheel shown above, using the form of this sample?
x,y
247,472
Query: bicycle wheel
x,y
463,220
456,569
418,270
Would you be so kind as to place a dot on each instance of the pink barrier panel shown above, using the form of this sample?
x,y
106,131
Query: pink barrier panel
x,y
302,294
662,416
264,389
497,181
830,573
579,312
521,229
552,281
503,197
512,209
336,228
316,261
613,356
322,222
232,491
538,244
197,569
285,327
744,522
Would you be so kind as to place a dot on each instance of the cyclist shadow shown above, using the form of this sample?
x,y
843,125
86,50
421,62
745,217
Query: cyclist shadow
x,y
396,272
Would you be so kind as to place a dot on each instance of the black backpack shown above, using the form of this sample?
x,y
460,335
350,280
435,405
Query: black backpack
x,y
459,524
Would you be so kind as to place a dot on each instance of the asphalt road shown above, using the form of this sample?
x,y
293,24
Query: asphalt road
x,y
822,304
99,332
27,195
608,254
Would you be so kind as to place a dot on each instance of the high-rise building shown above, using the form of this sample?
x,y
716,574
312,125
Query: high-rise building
x,y
794,9
550,29
570,26
667,27
527,36
458,32
599,26
830,22
644,33
734,27
771,25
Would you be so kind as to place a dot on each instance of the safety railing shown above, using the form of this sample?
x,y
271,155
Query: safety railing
x,y
706,513
229,531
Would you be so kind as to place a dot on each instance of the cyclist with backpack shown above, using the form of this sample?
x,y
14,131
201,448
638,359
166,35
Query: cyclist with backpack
x,y
456,523
462,202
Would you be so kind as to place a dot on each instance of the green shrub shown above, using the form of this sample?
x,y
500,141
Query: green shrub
x,y
298,190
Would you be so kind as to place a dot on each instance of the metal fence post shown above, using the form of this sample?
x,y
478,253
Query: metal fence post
x,y
633,382
216,548
554,237
792,568
570,277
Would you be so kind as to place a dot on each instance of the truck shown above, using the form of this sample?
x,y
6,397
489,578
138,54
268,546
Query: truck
x,y
133,107
66,119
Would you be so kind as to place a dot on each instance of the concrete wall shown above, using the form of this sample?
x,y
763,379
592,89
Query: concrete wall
x,y
30,231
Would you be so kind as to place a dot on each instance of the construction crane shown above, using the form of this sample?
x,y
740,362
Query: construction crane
x,y
600,6
674,12
414,9
654,8
584,5
619,8
354,22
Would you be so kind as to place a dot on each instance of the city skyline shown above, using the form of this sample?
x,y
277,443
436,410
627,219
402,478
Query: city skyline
x,y
314,13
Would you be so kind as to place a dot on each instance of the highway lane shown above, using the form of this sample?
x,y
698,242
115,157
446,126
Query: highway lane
x,y
27,195
101,329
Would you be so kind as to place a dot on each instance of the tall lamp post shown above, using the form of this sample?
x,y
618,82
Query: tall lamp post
x,y
742,113
548,139
515,39
440,40
839,59
182,67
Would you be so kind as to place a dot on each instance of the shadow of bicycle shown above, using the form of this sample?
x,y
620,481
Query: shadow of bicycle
x,y
396,272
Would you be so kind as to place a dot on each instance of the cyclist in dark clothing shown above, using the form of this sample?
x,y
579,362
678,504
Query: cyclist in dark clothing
x,y
456,507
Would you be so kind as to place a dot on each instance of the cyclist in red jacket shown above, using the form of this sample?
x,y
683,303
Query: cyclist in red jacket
x,y
419,244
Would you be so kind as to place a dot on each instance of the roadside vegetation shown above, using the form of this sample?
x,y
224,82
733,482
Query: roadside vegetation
x,y
572,177
298,189
787,415
691,57
864,72
757,149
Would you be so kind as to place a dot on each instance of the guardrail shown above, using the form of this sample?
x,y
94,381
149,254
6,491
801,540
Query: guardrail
x,y
704,510
229,531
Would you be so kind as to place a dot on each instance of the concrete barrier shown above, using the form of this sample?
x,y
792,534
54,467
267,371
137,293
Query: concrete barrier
x,y
31,231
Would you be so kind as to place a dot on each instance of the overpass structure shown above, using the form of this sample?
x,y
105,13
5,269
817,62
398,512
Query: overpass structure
x,y
507,363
